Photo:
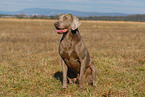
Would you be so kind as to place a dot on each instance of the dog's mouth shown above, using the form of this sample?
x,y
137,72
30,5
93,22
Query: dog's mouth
x,y
61,30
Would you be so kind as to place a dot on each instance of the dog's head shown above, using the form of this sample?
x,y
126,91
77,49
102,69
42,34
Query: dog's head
x,y
66,22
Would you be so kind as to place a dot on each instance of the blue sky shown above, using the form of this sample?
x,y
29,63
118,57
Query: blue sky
x,y
108,6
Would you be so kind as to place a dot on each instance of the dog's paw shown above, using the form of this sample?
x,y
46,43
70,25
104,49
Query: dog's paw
x,y
64,87
94,84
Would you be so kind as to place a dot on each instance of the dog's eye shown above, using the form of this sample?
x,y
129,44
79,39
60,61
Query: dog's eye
x,y
65,18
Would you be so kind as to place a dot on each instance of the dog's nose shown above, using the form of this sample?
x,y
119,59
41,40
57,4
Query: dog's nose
x,y
56,24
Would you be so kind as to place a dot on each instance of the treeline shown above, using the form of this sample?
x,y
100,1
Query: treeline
x,y
140,18
23,16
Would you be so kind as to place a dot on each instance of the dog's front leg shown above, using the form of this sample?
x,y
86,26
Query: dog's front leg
x,y
82,71
64,68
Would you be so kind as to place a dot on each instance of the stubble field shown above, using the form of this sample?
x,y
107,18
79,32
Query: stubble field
x,y
30,64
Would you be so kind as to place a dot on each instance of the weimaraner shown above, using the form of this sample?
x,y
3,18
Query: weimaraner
x,y
76,62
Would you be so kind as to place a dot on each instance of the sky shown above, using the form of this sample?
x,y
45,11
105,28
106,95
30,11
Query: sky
x,y
107,6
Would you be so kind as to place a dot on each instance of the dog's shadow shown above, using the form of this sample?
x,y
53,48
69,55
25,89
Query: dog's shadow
x,y
59,76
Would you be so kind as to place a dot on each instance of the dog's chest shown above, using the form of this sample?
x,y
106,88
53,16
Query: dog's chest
x,y
70,56
67,51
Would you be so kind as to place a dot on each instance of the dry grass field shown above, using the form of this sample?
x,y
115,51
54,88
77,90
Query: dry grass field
x,y
30,64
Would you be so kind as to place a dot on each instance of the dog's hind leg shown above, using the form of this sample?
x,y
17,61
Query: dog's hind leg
x,y
94,73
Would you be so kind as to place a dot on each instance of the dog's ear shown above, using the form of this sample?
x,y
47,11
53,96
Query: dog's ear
x,y
75,22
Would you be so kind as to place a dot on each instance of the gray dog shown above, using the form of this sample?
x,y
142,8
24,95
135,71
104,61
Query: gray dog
x,y
76,62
